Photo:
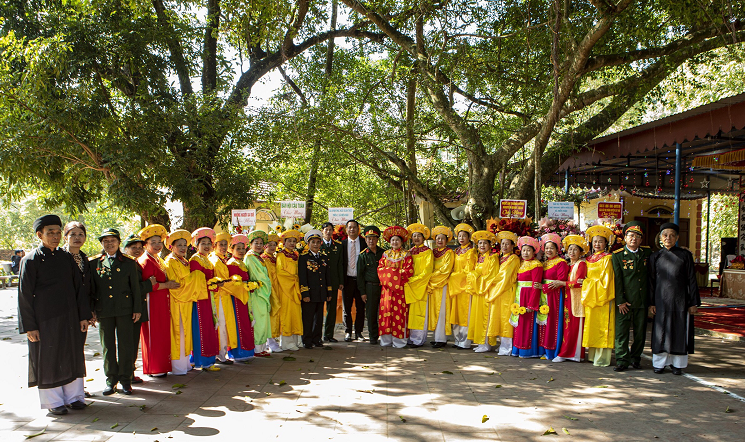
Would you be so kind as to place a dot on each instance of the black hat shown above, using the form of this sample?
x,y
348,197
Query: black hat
x,y
46,220
109,232
132,239
670,226
372,231
327,224
634,226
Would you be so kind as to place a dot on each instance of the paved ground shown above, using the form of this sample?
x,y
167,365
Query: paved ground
x,y
361,392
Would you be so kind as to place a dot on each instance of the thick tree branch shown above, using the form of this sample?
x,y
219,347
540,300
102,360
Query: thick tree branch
x,y
175,49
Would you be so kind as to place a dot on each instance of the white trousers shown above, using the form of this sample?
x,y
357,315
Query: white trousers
x,y
505,346
440,332
291,343
182,365
273,346
222,332
460,333
259,348
661,360
390,341
419,337
63,395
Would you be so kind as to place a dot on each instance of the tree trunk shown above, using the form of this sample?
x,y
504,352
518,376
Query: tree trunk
x,y
411,209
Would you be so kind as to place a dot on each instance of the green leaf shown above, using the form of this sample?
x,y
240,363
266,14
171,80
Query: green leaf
x,y
571,418
154,429
402,419
600,386
484,418
288,358
115,425
549,431
281,383
447,372
178,386
550,380
728,410
565,430
29,436
498,386
178,392
95,420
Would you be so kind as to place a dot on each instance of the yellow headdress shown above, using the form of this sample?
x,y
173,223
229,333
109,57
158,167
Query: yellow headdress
x,y
600,231
463,227
176,235
442,230
418,228
153,230
506,234
223,236
576,240
484,234
291,233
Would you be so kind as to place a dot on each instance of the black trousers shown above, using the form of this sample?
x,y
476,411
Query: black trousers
x,y
328,328
352,294
371,309
312,322
137,326
116,339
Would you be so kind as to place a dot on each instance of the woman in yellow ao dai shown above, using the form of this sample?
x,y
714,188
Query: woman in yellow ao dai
x,y
270,259
193,287
416,288
437,290
226,330
598,293
503,295
291,314
481,283
458,297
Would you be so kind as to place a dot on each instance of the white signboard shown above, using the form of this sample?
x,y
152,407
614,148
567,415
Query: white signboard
x,y
292,209
560,210
245,217
340,215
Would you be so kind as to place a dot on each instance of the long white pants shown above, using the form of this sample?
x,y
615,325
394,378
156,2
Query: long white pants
x,y
460,333
62,395
222,331
273,345
440,329
182,365
661,360
390,341
505,346
418,337
291,343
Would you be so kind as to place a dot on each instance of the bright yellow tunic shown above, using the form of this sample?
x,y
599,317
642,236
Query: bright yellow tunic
x,y
193,288
415,289
501,298
274,301
291,314
598,292
440,276
459,298
224,295
480,283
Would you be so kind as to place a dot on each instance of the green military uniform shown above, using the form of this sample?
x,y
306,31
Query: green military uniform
x,y
369,284
631,284
145,287
116,297
332,252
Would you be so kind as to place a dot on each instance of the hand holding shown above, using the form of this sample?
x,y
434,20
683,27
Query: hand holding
x,y
136,317
652,310
33,335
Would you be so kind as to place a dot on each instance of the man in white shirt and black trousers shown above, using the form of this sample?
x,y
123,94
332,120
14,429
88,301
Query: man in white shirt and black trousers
x,y
351,247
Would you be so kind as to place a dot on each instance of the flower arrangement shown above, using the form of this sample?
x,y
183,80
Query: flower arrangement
x,y
340,233
521,227
738,263
561,227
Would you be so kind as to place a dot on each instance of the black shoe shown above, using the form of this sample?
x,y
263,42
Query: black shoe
x,y
318,344
360,338
464,348
439,344
332,339
637,365
88,394
454,346
308,346
373,342
676,371
162,375
58,411
414,345
109,390
77,405
137,380
620,368
659,370
225,362
348,337
126,389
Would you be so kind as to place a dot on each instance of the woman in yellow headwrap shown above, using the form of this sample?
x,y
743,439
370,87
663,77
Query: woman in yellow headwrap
x,y
226,330
416,288
458,297
291,313
598,293
270,260
481,284
192,288
437,290
204,327
503,294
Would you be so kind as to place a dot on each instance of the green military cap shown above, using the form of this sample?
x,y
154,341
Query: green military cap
x,y
634,226
110,232
131,239
371,230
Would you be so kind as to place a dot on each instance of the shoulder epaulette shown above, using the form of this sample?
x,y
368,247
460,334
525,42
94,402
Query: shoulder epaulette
x,y
646,247
94,257
129,256
619,250
304,252
337,241
363,251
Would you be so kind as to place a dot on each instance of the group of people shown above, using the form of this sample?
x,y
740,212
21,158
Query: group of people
x,y
243,296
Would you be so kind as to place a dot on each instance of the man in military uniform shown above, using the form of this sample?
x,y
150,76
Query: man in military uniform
x,y
630,279
331,249
118,305
312,270
134,246
367,280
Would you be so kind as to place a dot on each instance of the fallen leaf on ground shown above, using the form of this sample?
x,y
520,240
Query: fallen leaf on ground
x,y
532,379
29,436
550,380
281,383
114,426
268,394
89,380
327,347
484,418
600,386
402,419
497,386
549,431
311,360
447,372
571,418
288,358
365,367
178,386
7,339
565,430
95,420
178,392
491,374
365,391
96,354
142,407
154,429
728,410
